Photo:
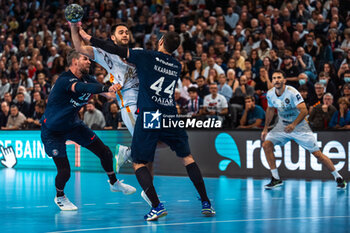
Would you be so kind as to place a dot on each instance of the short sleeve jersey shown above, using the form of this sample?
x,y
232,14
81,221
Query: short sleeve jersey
x,y
63,105
158,74
286,104
119,72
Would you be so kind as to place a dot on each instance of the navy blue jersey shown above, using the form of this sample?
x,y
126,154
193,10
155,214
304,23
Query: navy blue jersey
x,y
158,74
62,109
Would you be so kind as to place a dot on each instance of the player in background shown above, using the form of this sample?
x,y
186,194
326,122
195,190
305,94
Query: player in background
x,y
158,74
60,123
291,126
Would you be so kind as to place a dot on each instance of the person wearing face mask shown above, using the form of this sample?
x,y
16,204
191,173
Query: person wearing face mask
x,y
324,78
303,80
346,77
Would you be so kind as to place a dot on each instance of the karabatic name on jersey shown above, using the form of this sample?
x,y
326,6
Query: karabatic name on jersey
x,y
286,104
120,72
158,74
63,105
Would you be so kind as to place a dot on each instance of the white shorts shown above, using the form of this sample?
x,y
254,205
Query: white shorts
x,y
302,135
129,117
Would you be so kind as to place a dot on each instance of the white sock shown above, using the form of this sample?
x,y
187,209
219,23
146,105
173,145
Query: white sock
x,y
275,173
336,174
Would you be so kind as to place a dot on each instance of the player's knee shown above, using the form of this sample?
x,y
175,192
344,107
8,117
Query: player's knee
x,y
187,160
267,145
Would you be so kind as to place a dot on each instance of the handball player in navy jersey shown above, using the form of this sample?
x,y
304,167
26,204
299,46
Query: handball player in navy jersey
x,y
158,74
60,123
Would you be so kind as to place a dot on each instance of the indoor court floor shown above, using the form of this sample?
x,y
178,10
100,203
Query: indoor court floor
x,y
242,205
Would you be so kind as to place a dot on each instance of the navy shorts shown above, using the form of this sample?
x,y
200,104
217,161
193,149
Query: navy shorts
x,y
144,142
55,141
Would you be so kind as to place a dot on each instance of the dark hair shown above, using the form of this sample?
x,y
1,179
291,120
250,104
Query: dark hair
x,y
200,76
72,54
249,97
171,41
114,27
280,72
192,89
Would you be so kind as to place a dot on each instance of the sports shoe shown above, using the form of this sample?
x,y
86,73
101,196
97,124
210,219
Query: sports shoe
x,y
122,154
144,196
274,183
119,186
341,184
64,203
156,213
207,209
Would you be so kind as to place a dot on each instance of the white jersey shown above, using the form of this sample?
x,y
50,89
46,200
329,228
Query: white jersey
x,y
286,104
217,104
122,73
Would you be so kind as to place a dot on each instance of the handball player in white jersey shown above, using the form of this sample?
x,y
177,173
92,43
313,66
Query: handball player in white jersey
x,y
291,125
120,72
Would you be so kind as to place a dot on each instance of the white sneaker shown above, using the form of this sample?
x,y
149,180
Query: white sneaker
x,y
144,196
119,186
122,154
64,203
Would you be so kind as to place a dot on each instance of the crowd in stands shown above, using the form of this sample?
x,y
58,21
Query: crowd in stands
x,y
229,50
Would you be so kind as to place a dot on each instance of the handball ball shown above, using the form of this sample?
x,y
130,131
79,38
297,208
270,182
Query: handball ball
x,y
74,13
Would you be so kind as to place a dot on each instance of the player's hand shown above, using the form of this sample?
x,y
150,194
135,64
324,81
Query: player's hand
x,y
289,128
84,35
114,88
263,134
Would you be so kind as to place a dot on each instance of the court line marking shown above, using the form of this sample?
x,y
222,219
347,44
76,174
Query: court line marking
x,y
136,202
41,206
19,207
183,200
90,204
113,203
204,222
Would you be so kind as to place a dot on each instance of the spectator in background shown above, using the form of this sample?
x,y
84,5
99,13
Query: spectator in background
x,y
324,78
180,101
15,120
33,122
291,72
5,86
25,81
203,88
320,89
321,115
253,115
4,114
93,117
304,91
341,118
195,103
8,98
212,65
197,71
346,91
214,104
224,89
45,86
113,117
306,64
22,105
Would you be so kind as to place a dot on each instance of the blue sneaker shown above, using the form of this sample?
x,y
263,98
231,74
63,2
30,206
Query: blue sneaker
x,y
156,213
207,209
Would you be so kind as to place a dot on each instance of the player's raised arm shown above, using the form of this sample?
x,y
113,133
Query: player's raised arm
x,y
79,43
106,45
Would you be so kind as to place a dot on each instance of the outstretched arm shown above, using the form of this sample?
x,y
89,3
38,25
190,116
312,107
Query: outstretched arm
x,y
78,42
106,45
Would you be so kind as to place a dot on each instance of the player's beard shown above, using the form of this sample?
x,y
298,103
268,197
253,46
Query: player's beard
x,y
121,43
85,70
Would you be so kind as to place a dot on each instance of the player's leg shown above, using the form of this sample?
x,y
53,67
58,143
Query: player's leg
x,y
142,152
55,147
307,140
177,139
274,137
88,139
123,153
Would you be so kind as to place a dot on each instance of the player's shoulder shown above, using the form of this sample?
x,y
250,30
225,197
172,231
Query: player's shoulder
x,y
66,76
270,92
291,89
